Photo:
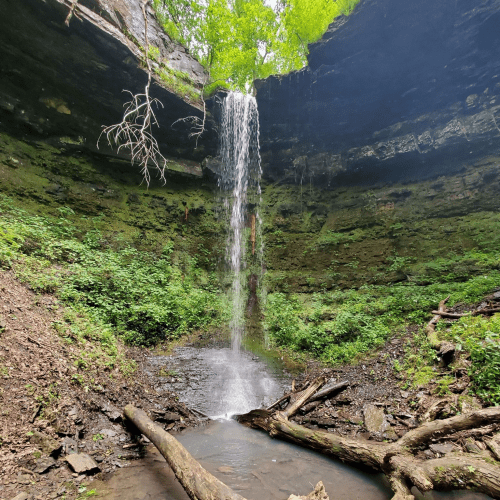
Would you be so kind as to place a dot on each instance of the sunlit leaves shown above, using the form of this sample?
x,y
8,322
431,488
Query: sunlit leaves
x,y
241,40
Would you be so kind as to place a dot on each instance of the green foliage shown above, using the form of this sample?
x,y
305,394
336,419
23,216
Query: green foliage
x,y
480,338
241,40
338,340
109,288
337,326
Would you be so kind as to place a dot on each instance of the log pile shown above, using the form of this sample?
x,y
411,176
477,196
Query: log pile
x,y
477,468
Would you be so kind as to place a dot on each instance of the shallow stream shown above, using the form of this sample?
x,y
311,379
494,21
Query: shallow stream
x,y
220,382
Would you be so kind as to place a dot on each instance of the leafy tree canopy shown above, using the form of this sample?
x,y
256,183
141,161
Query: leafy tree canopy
x,y
241,40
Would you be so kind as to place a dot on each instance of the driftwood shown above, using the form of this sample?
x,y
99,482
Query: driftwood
x,y
397,460
198,483
430,329
323,393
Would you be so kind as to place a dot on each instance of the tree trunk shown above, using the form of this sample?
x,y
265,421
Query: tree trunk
x,y
198,483
396,460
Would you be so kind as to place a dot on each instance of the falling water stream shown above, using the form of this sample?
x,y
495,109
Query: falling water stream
x,y
225,378
240,170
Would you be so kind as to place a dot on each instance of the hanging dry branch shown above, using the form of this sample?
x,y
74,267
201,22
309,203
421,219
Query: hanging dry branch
x,y
134,132
197,123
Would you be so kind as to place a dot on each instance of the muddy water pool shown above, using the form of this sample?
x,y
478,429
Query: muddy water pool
x,y
220,382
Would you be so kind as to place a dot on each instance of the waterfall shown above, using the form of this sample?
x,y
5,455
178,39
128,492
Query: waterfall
x,y
240,171
239,182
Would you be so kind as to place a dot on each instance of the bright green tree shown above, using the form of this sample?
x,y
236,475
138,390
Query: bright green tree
x,y
241,40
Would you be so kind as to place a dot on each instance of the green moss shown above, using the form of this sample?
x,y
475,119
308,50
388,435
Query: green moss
x,y
179,82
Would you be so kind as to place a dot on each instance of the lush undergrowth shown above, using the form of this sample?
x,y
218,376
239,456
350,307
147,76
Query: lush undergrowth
x,y
337,326
117,289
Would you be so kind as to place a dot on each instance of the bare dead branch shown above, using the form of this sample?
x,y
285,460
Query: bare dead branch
x,y
198,124
134,132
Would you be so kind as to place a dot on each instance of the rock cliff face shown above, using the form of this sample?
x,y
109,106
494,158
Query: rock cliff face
x,y
63,81
397,91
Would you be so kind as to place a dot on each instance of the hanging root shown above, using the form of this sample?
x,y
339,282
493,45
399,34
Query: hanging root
x,y
134,132
197,123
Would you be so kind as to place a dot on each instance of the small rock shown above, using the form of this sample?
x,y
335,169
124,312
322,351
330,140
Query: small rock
x,y
166,416
390,433
21,496
73,412
69,445
111,412
411,423
324,422
226,469
108,433
442,449
472,446
24,479
44,464
81,462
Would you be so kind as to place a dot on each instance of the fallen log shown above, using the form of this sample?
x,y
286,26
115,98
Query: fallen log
x,y
397,460
430,329
449,315
329,390
198,483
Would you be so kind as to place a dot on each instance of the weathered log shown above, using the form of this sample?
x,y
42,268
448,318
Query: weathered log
x,y
280,400
494,446
318,493
461,435
469,471
198,483
325,392
329,390
449,315
430,329
439,428
309,407
302,397
485,310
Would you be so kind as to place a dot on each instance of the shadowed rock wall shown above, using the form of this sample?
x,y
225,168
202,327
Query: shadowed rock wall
x,y
66,81
397,91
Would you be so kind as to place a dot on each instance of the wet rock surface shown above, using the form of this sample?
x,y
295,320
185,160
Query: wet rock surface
x,y
391,93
